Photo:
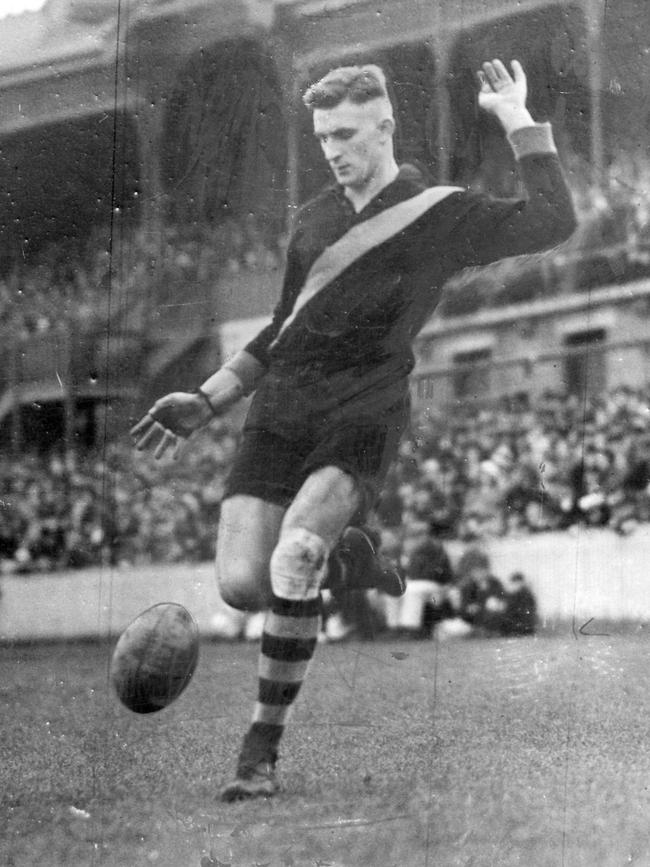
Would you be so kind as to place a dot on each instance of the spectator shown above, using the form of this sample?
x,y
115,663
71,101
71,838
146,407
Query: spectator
x,y
481,601
520,616
561,463
425,603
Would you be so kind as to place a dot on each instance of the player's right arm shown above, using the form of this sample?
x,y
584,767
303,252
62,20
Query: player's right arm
x,y
176,416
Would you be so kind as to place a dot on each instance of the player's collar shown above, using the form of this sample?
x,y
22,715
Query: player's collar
x,y
409,181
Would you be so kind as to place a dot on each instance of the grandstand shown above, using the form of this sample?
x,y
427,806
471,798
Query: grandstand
x,y
151,166
149,162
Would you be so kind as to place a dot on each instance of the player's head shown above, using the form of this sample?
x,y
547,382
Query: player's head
x,y
353,121
474,565
358,84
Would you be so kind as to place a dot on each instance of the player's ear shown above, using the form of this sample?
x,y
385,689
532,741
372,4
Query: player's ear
x,y
387,126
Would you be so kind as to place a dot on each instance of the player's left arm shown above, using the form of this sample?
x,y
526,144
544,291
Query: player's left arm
x,y
497,228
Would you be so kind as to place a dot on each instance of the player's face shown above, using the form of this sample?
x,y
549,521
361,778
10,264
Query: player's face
x,y
352,138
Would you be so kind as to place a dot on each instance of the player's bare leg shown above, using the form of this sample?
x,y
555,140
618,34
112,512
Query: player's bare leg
x,y
298,566
248,532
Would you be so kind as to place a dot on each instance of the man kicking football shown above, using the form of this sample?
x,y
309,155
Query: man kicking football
x,y
366,264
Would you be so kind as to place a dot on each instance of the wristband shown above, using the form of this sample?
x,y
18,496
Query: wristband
x,y
202,394
536,139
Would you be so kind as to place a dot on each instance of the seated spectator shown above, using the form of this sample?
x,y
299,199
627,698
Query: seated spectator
x,y
481,601
512,468
631,504
520,616
486,606
425,603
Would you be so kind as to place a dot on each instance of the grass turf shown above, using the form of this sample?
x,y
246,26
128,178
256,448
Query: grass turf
x,y
481,752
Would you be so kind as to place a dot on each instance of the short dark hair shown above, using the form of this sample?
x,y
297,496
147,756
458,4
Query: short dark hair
x,y
359,84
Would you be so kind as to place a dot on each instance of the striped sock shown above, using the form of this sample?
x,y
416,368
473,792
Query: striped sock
x,y
288,643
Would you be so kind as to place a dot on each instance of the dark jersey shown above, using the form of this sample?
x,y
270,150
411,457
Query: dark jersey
x,y
348,352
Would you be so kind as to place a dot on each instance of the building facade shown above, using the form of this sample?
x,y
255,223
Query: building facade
x,y
181,119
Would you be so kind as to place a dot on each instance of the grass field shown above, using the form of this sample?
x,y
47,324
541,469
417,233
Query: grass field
x,y
484,752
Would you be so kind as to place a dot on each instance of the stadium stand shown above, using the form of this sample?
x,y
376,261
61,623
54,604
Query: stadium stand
x,y
611,246
501,471
507,471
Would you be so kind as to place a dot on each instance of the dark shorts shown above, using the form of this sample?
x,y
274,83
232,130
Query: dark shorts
x,y
273,467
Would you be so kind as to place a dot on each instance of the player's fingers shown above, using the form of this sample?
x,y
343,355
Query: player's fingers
x,y
168,441
500,69
144,440
142,426
177,447
517,70
490,73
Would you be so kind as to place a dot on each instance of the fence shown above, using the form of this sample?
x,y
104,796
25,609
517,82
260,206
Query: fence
x,y
582,578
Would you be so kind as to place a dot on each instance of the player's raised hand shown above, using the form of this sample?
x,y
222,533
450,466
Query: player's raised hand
x,y
501,93
170,421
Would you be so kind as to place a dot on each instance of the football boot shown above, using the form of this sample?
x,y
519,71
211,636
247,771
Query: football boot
x,y
255,781
361,567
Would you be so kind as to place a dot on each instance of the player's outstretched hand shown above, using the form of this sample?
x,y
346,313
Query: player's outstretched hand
x,y
170,421
501,92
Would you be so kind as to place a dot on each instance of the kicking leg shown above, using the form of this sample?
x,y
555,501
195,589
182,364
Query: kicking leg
x,y
356,564
310,529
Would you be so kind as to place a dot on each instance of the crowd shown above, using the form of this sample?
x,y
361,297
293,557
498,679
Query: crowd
x,y
470,475
114,508
441,600
611,245
517,468
63,281
124,273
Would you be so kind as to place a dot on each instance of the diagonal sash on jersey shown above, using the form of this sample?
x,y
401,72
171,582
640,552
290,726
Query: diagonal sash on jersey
x,y
360,239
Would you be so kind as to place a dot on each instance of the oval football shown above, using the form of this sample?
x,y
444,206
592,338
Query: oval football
x,y
155,657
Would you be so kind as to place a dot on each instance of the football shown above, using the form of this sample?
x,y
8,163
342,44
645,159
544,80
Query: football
x,y
155,657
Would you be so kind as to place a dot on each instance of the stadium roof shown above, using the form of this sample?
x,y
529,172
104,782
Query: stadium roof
x,y
68,32
37,39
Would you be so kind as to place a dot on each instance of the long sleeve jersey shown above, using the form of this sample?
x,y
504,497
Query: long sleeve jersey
x,y
348,351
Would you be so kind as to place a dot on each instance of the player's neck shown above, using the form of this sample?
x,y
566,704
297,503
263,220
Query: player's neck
x,y
361,196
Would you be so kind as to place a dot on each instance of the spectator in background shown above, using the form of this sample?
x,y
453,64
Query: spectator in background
x,y
520,616
557,454
631,505
487,606
483,508
481,600
425,603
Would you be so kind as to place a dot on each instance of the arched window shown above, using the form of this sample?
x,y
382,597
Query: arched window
x,y
224,142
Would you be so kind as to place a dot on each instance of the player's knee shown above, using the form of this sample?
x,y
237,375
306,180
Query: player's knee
x,y
244,585
298,564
